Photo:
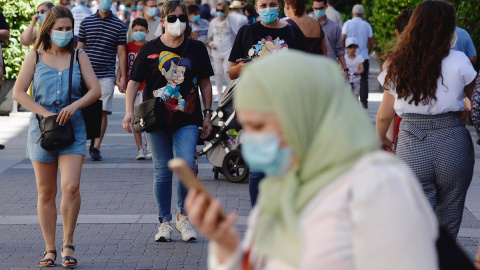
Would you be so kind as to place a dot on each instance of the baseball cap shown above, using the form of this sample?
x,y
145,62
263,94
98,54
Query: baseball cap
x,y
351,41
358,9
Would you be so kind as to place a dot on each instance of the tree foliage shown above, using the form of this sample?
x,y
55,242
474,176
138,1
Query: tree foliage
x,y
18,15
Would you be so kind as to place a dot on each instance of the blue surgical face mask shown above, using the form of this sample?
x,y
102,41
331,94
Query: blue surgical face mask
x,y
140,8
134,7
126,9
61,38
196,18
139,35
220,14
262,152
151,11
268,15
312,15
319,13
105,5
41,17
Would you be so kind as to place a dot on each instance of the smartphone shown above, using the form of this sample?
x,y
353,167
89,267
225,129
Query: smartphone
x,y
188,178
245,59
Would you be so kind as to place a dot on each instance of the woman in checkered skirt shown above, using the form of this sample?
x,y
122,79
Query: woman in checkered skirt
x,y
425,83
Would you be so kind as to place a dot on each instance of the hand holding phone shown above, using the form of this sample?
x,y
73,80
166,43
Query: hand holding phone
x,y
244,60
188,178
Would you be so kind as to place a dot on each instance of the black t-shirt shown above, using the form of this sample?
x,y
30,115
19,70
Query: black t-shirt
x,y
3,22
173,74
256,40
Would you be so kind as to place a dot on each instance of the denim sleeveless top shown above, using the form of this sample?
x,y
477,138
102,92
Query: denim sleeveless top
x,y
50,89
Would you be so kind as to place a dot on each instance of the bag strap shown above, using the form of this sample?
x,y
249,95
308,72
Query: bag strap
x,y
70,75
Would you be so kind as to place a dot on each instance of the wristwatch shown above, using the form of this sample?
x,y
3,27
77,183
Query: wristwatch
x,y
207,111
346,69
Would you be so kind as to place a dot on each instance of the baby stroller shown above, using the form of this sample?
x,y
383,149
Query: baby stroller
x,y
222,148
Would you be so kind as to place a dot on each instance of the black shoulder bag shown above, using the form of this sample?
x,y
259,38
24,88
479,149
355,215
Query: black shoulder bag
x,y
92,114
153,113
52,135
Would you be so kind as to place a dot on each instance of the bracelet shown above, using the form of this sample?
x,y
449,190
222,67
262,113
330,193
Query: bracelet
x,y
346,69
207,111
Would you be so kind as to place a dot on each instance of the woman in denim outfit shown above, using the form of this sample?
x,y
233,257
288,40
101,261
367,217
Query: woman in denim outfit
x,y
48,66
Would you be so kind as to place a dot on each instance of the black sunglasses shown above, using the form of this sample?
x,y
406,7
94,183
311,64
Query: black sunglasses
x,y
173,18
219,10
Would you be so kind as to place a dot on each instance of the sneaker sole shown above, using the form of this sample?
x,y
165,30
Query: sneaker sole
x,y
192,239
140,158
96,159
162,239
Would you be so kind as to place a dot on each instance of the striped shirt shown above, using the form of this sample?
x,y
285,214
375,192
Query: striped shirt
x,y
101,38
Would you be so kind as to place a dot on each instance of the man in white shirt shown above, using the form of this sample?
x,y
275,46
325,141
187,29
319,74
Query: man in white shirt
x,y
362,31
79,12
333,14
237,19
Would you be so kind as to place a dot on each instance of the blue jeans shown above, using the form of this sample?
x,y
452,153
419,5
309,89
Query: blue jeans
x,y
165,145
254,181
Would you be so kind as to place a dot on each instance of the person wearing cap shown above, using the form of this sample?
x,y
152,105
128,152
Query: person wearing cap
x,y
237,19
357,27
79,12
354,64
150,14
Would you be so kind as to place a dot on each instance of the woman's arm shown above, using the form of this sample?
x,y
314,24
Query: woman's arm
x,y
235,69
385,115
23,83
30,34
92,94
206,90
131,93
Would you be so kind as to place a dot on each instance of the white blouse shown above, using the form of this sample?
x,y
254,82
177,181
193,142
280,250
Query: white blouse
x,y
373,217
457,72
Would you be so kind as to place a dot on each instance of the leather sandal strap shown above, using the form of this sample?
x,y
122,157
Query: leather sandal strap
x,y
47,260
54,252
69,246
69,258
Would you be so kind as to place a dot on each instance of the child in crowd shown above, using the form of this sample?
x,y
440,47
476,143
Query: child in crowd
x,y
139,33
354,64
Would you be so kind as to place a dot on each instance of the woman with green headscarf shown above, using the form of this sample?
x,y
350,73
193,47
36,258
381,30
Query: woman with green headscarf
x,y
331,200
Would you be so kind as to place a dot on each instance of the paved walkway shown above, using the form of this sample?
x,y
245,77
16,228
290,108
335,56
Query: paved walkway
x,y
118,218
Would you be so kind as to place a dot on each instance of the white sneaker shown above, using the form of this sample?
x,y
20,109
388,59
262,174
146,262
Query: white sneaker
x,y
164,232
186,229
141,154
149,153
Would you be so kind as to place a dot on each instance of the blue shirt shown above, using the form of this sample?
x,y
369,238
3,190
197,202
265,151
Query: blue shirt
x,y
101,38
79,13
464,43
360,29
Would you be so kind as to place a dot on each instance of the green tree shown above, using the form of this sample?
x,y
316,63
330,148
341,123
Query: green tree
x,y
18,14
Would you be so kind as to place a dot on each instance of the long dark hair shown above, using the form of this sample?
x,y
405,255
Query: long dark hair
x,y
53,14
415,63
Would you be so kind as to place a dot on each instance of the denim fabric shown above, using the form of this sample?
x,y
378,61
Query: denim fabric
x,y
50,89
255,178
165,145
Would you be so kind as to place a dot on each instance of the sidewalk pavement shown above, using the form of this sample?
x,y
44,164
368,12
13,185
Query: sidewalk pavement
x,y
118,219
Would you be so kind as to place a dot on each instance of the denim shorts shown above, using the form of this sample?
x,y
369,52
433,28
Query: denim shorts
x,y
37,153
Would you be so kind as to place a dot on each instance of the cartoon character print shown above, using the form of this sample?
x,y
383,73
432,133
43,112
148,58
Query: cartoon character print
x,y
267,46
173,68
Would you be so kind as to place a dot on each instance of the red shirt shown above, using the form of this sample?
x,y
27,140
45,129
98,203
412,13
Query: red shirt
x,y
132,51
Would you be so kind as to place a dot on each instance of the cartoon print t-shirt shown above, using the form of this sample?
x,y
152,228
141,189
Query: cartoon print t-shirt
x,y
255,41
172,74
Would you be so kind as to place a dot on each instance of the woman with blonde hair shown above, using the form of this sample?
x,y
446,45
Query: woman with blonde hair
x,y
48,66
29,36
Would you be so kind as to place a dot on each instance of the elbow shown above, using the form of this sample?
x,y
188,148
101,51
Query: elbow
x,y
98,93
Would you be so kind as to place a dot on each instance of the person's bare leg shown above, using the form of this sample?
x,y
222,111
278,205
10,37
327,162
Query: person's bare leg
x,y
138,139
46,178
98,141
70,170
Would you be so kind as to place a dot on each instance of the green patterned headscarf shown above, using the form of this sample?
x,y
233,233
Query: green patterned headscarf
x,y
324,125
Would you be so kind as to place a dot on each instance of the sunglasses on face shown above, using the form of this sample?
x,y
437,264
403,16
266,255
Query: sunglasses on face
x,y
173,18
219,10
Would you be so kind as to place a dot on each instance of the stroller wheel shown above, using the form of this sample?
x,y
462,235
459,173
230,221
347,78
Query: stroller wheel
x,y
234,167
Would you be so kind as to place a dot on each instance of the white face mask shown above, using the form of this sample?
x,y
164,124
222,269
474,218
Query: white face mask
x,y
177,28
